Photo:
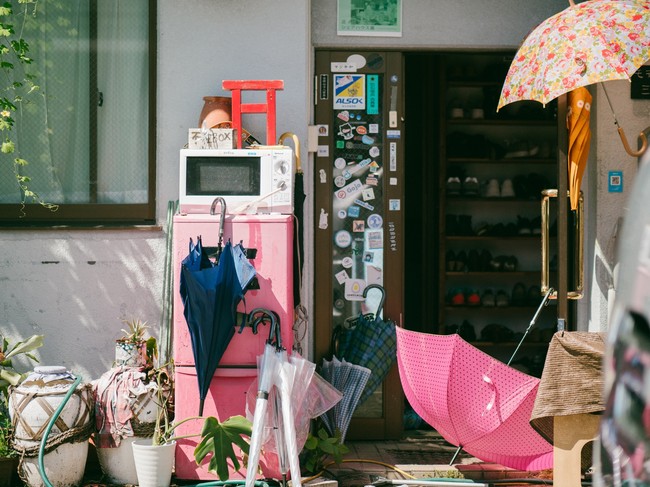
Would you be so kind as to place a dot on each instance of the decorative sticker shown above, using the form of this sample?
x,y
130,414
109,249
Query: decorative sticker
x,y
354,211
323,151
323,176
368,194
375,221
373,128
368,257
343,238
372,180
322,221
393,134
374,275
373,94
342,276
344,115
342,214
358,226
339,181
375,239
393,205
351,189
339,163
354,289
365,205
349,92
347,262
323,130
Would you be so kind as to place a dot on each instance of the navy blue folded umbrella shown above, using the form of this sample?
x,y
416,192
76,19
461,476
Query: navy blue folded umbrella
x,y
210,294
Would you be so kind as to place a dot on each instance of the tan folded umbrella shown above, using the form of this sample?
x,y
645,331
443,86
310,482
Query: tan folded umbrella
x,y
579,101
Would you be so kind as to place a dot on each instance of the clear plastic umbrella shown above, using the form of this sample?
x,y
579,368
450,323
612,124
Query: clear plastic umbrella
x,y
268,371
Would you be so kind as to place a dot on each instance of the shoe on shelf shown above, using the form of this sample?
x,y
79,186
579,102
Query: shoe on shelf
x,y
482,229
519,294
485,259
517,149
450,261
473,261
536,225
509,263
465,225
534,295
492,189
488,299
507,190
461,262
502,300
453,185
523,226
470,186
466,331
473,298
457,298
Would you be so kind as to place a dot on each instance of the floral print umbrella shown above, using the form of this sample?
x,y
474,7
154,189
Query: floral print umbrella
x,y
593,41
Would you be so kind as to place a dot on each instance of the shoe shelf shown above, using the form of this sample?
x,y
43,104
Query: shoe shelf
x,y
493,167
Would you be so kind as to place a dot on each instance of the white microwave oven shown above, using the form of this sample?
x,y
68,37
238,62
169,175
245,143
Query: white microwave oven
x,y
253,180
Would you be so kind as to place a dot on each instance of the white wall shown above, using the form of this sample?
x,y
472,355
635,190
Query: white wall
x,y
74,286
77,304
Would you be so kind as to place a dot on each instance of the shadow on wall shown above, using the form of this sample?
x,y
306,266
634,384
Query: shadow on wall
x,y
76,287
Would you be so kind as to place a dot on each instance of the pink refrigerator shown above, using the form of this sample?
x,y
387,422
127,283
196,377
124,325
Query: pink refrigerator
x,y
272,237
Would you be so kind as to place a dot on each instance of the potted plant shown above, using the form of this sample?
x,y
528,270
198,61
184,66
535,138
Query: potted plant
x,y
135,364
133,349
9,377
154,459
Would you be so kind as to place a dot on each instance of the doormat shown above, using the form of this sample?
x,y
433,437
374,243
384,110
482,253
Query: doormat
x,y
420,457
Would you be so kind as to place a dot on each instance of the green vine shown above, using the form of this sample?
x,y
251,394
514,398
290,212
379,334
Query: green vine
x,y
14,58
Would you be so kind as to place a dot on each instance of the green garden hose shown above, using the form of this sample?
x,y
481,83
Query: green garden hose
x,y
55,416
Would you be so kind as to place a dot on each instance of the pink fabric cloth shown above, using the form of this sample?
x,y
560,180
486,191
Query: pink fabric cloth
x,y
115,392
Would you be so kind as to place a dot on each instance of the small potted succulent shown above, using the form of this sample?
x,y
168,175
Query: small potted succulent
x,y
133,349
9,377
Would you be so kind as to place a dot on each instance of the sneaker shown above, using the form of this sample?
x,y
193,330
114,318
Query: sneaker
x,y
485,259
456,112
488,300
517,149
507,190
519,295
502,299
453,185
466,331
492,189
509,264
470,186
523,226
450,261
478,113
461,262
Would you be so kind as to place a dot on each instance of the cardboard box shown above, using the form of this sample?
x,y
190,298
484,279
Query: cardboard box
x,y
212,139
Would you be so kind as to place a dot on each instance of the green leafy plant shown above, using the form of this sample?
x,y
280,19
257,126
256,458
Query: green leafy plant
x,y
217,438
319,448
9,376
20,85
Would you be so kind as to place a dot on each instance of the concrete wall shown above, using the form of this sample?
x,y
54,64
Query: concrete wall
x,y
75,286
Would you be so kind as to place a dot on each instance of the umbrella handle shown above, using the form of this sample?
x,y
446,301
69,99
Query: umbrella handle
x,y
626,145
383,296
296,143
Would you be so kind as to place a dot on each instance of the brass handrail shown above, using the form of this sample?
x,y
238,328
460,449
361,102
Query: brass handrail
x,y
578,293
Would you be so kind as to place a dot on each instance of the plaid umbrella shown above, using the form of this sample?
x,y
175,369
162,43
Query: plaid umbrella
x,y
371,343
350,379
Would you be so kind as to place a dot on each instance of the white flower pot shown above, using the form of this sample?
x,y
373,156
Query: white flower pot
x,y
153,463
